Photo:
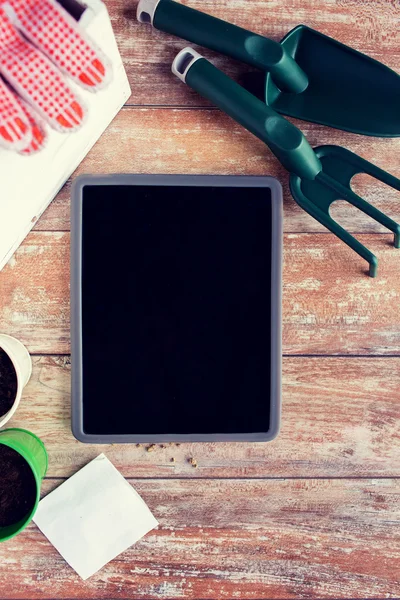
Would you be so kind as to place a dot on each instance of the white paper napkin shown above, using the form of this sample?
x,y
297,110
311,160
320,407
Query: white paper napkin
x,y
93,517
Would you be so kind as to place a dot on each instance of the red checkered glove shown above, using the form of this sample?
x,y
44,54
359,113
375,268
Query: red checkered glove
x,y
40,44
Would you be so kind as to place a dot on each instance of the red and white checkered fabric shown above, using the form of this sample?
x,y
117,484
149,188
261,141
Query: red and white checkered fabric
x,y
34,65
15,132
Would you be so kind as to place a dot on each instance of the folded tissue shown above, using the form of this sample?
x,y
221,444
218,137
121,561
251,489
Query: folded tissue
x,y
93,517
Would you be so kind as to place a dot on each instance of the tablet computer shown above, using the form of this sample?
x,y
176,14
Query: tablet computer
x,y
176,308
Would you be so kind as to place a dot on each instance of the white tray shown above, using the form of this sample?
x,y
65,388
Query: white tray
x,y
28,184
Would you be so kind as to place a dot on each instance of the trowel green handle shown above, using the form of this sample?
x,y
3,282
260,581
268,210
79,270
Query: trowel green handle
x,y
32,449
284,139
228,39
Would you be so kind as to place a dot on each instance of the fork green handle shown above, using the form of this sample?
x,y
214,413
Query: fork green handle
x,y
284,139
216,34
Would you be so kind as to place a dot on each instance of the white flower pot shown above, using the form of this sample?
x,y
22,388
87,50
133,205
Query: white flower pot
x,y
22,364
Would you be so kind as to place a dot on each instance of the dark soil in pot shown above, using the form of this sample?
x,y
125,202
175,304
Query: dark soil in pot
x,y
17,487
8,383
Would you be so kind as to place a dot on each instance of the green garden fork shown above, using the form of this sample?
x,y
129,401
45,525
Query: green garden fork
x,y
318,176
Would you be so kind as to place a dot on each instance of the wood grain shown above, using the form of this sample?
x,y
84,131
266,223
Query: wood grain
x,y
330,305
35,292
234,539
370,27
341,415
208,142
233,527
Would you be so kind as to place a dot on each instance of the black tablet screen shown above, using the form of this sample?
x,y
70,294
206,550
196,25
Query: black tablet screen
x,y
176,315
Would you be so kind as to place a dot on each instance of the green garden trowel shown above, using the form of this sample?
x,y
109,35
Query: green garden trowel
x,y
309,75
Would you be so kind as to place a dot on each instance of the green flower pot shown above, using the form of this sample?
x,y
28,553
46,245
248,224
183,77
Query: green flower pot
x,y
32,449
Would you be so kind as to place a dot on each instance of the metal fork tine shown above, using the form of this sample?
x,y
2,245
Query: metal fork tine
x,y
361,165
347,194
322,215
370,169
376,214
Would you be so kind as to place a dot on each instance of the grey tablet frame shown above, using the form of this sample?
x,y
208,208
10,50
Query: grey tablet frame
x,y
76,302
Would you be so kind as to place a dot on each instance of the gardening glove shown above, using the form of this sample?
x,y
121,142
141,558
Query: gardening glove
x,y
33,88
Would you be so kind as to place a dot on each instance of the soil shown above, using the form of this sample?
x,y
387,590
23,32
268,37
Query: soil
x,y
8,383
17,487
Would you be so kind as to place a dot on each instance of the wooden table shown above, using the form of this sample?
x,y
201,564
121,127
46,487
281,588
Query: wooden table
x,y
314,514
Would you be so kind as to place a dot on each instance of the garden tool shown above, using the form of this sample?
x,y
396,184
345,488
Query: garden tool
x,y
317,177
309,75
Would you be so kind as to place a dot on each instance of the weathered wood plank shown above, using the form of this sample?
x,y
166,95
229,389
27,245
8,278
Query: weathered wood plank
x,y
330,306
208,142
234,538
237,538
35,292
342,416
370,27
